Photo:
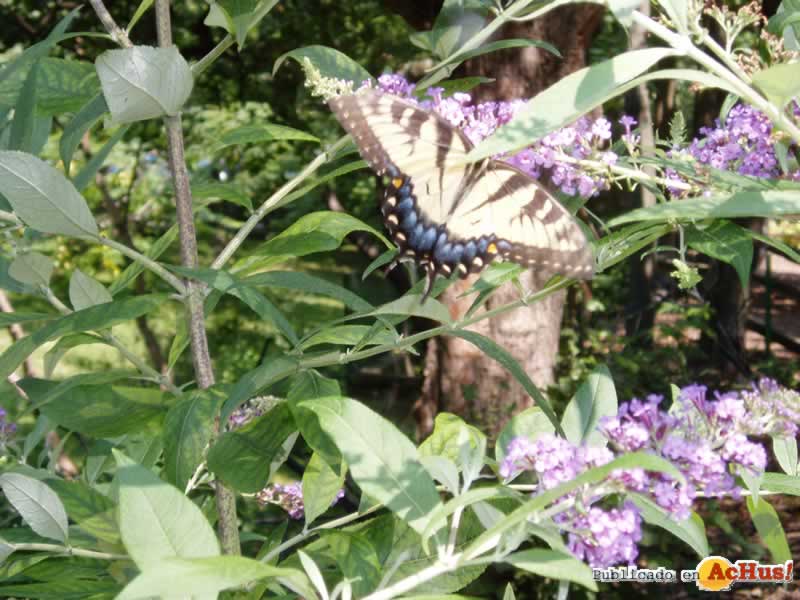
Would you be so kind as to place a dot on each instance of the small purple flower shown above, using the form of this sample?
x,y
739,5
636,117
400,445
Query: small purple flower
x,y
7,430
289,497
605,537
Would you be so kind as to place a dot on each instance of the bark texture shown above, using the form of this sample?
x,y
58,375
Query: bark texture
x,y
458,377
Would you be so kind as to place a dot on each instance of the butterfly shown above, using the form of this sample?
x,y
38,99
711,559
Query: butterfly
x,y
449,215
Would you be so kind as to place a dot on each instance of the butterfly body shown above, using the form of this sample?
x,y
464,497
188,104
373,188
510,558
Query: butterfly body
x,y
449,215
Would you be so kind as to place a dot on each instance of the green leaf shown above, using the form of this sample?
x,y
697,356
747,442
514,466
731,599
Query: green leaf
x,y
727,242
37,504
143,7
501,355
780,83
43,198
304,282
769,528
85,292
32,268
453,86
144,83
329,62
97,317
554,565
62,86
259,134
103,410
22,125
63,590
156,521
456,23
321,485
205,577
677,11
692,531
596,398
188,428
411,305
42,392
448,435
725,206
227,283
7,319
357,560
504,44
344,335
133,270
785,451
241,458
86,176
321,231
92,511
623,10
64,345
251,383
531,423
211,190
382,460
781,484
562,103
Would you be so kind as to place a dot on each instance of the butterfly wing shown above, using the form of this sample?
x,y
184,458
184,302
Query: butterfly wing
x,y
450,215
532,228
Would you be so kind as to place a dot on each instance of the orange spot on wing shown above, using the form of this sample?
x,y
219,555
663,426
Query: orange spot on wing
x,y
492,249
397,182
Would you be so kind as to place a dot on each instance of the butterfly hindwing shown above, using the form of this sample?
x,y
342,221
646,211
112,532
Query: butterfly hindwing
x,y
450,215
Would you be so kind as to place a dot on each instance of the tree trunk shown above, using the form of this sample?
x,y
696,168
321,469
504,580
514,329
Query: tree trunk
x,y
458,377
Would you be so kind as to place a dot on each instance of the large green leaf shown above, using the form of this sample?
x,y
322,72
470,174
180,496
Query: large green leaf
x,y
101,410
62,86
382,460
692,530
97,317
321,231
205,577
311,284
89,114
238,17
357,560
321,484
770,530
37,504
156,521
554,565
242,458
330,62
727,206
92,511
261,133
32,268
143,82
188,428
727,242
211,190
595,398
571,97
42,197
85,292
501,355
21,133
780,83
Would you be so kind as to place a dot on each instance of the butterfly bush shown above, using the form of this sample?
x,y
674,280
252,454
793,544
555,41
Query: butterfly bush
x,y
706,438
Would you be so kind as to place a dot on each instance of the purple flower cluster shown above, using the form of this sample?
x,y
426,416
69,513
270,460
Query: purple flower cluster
x,y
252,409
706,439
555,156
744,144
289,497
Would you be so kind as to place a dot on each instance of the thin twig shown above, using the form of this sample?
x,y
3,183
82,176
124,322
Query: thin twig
x,y
217,51
110,25
69,550
194,299
147,263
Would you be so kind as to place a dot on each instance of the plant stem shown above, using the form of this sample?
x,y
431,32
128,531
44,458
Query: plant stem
x,y
204,373
147,263
117,33
409,583
273,201
208,59
69,551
